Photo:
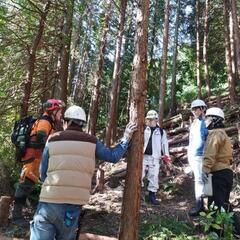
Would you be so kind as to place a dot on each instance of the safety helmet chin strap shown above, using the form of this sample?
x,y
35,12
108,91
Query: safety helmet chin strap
x,y
75,121
216,122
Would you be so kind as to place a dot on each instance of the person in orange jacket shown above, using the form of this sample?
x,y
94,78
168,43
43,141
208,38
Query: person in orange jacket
x,y
41,129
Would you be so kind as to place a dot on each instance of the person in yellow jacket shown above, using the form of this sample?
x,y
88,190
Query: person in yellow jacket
x,y
217,160
41,129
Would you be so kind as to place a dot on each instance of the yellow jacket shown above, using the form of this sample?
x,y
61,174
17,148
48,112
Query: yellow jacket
x,y
218,151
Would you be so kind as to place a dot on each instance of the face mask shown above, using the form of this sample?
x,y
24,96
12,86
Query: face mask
x,y
208,121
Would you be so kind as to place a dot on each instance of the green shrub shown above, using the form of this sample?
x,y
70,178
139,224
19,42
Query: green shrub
x,y
215,221
156,228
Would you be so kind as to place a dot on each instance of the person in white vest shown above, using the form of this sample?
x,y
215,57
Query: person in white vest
x,y
66,170
155,147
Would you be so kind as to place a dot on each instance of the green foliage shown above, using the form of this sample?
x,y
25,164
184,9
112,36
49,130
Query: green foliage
x,y
170,187
156,228
217,221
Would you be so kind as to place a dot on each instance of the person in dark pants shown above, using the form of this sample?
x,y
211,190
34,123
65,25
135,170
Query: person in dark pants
x,y
29,176
217,160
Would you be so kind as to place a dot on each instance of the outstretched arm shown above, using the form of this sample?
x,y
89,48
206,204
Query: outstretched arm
x,y
115,154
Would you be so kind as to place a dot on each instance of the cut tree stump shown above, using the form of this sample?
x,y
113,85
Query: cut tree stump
x,y
5,202
90,236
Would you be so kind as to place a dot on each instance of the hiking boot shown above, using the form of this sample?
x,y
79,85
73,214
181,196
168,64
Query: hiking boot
x,y
194,212
17,217
152,198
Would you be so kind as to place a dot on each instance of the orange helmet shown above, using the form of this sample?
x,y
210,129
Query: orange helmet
x,y
53,104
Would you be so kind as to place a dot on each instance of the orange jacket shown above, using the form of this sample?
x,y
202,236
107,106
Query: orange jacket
x,y
42,128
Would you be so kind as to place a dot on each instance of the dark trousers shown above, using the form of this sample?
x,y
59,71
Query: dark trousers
x,y
222,182
23,190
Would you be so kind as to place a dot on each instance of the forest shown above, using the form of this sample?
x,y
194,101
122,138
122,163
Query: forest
x,y
118,59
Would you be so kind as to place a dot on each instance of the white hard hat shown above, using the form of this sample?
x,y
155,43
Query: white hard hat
x,y
152,114
198,103
75,112
215,111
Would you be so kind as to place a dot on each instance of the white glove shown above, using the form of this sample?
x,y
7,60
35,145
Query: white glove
x,y
130,128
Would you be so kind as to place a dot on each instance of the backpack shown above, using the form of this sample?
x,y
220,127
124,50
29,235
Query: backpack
x,y
21,134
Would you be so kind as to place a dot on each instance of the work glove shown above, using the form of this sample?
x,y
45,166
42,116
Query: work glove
x,y
204,177
130,129
166,159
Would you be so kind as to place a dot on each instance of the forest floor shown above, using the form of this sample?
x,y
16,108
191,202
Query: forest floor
x,y
102,214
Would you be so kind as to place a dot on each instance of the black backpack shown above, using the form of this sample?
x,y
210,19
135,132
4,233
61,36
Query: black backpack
x,y
21,134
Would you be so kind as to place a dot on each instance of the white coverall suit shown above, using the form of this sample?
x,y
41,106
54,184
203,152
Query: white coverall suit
x,y
152,162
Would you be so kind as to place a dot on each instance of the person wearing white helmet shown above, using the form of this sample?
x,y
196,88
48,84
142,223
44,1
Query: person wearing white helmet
x,y
155,147
217,160
66,171
197,137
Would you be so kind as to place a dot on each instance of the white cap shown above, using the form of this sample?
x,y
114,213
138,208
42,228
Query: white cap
x,y
198,103
152,114
75,112
215,111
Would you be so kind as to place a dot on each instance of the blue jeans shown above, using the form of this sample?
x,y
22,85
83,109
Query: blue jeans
x,y
55,221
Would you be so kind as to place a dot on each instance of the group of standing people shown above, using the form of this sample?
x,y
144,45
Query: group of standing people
x,y
210,152
70,154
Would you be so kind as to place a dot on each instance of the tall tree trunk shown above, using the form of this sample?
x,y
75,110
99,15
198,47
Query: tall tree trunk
x,y
199,83
131,198
65,54
32,60
75,59
232,47
153,37
173,107
112,114
231,82
95,100
236,33
164,64
127,43
79,86
205,46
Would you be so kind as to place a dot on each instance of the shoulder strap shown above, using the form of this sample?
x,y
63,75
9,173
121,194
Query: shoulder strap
x,y
49,119
161,130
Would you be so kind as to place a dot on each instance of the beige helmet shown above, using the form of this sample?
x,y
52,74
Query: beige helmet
x,y
152,114
76,113
198,103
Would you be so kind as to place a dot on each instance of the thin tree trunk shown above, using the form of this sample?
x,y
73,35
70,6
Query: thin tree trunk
x,y
232,47
153,37
95,100
236,33
127,42
79,86
75,59
131,198
164,64
231,82
112,114
199,83
32,60
173,107
205,46
65,54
